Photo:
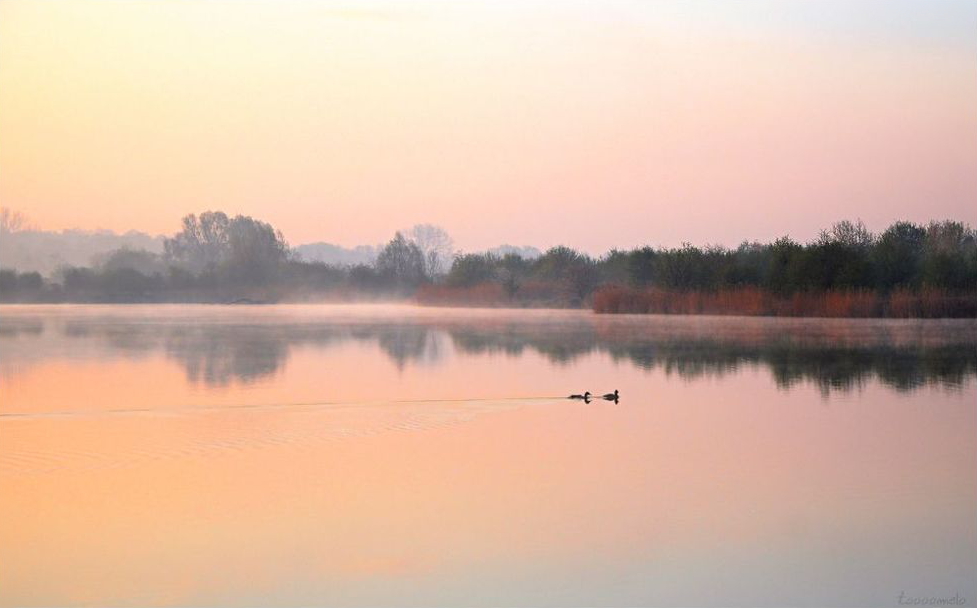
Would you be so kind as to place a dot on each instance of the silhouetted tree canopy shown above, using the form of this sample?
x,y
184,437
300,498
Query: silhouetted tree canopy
x,y
402,261
241,248
218,258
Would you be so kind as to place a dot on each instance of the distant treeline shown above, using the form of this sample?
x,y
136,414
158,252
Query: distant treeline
x,y
217,258
907,270
28,249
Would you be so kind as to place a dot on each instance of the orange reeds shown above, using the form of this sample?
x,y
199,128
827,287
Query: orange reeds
x,y
754,301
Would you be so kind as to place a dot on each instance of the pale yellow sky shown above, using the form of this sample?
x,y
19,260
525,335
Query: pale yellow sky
x,y
594,125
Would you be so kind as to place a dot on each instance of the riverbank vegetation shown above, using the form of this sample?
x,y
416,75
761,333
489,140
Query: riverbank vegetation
x,y
901,302
908,270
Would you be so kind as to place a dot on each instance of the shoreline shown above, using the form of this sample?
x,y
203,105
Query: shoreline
x,y
620,310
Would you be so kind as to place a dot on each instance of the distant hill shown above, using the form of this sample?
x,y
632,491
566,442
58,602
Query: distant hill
x,y
527,252
334,255
46,251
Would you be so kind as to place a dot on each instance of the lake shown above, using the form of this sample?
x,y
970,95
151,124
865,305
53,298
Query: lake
x,y
381,455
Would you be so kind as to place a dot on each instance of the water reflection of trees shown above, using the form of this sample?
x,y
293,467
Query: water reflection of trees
x,y
840,368
218,354
216,358
832,362
21,327
839,355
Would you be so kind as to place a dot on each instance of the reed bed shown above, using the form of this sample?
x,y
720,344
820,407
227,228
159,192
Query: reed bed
x,y
485,294
752,301
536,294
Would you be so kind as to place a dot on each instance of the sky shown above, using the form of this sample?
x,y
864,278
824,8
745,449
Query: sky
x,y
595,125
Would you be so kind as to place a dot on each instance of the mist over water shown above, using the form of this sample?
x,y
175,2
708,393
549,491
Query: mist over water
x,y
217,346
377,455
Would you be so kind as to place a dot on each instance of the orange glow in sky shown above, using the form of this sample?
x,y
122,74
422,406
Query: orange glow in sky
x,y
598,126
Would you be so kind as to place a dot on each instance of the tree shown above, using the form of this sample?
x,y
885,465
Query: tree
x,y
783,267
948,255
472,269
11,221
255,251
81,281
613,267
897,255
364,278
556,263
201,244
435,244
641,266
26,286
143,261
126,285
840,257
31,281
583,277
402,261
241,249
848,234
512,269
685,268
8,282
746,265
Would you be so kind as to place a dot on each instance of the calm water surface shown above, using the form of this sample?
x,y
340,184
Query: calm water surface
x,y
387,455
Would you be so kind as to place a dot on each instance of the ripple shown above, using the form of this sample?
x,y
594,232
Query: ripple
x,y
48,442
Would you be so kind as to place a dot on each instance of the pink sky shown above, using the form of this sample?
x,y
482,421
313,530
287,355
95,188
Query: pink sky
x,y
597,126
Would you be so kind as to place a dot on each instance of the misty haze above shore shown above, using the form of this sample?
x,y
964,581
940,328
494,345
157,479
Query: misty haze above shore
x,y
45,251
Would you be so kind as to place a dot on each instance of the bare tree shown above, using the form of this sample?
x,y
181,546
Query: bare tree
x,y
11,221
436,244
849,234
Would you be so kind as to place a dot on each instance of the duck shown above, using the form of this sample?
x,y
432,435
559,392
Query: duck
x,y
585,396
611,396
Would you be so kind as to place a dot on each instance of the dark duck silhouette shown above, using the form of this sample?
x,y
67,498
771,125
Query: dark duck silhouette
x,y
585,396
611,396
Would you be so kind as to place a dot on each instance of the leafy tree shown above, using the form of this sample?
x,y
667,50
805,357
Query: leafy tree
x,y
254,250
241,250
30,281
641,266
583,277
897,255
782,275
8,282
512,271
839,258
613,267
556,263
948,254
143,261
685,268
201,244
402,261
24,286
746,265
472,269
